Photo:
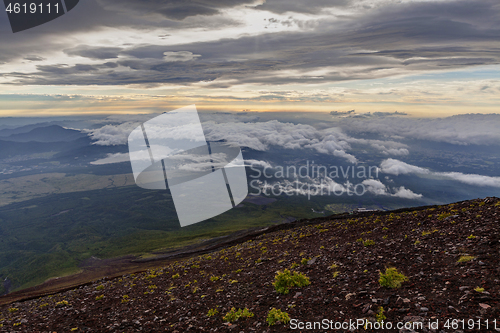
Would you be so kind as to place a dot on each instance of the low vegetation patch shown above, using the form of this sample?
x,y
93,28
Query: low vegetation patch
x,y
285,280
380,315
62,304
276,316
368,242
465,259
392,278
212,312
234,315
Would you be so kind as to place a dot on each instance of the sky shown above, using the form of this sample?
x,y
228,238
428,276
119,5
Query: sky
x,y
428,58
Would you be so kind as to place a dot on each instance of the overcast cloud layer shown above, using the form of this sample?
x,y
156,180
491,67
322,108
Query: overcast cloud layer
x,y
307,42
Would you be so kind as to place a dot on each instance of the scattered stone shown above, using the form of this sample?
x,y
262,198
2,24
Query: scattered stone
x,y
349,296
153,305
312,261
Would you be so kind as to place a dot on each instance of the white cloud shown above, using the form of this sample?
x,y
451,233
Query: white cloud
x,y
385,147
258,163
262,135
259,136
179,56
396,167
472,179
112,135
479,129
402,192
376,187
113,158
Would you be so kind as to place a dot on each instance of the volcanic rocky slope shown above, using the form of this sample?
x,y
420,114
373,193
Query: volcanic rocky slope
x,y
450,255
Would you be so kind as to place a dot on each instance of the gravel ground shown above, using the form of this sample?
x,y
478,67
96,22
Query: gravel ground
x,y
342,260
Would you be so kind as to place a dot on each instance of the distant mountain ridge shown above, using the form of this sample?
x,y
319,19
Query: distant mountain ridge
x,y
52,133
4,132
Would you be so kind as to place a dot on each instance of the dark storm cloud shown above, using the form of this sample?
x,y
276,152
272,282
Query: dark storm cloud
x,y
88,16
389,40
93,16
172,9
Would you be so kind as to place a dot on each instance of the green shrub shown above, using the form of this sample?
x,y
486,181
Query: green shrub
x,y
277,316
334,268
429,232
212,312
98,298
62,303
12,310
100,287
479,290
368,242
391,278
465,259
285,280
234,314
380,315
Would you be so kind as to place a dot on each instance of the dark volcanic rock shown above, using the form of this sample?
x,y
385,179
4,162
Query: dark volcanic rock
x,y
449,253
